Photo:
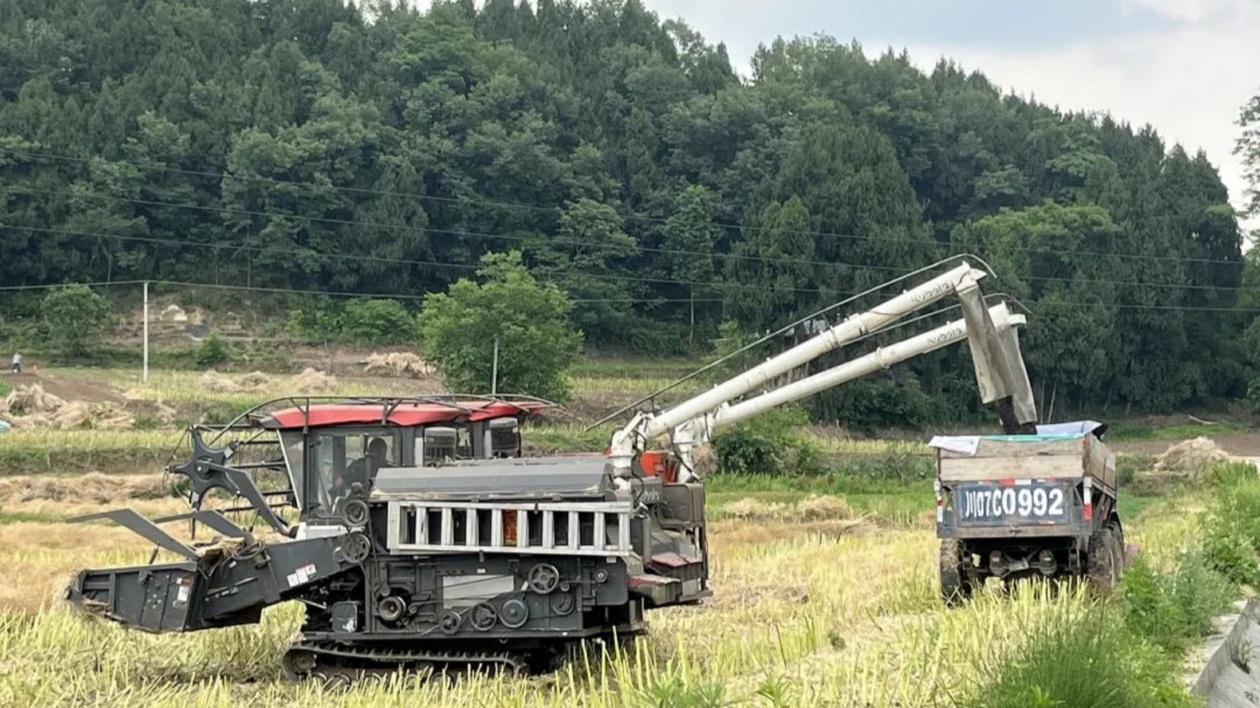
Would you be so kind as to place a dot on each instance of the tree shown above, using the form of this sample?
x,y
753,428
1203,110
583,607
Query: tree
x,y
583,258
530,320
689,236
75,317
770,267
1248,147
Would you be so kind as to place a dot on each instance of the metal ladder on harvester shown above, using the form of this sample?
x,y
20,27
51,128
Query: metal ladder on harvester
x,y
572,528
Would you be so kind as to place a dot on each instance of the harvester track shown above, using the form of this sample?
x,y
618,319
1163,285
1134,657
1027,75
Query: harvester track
x,y
331,661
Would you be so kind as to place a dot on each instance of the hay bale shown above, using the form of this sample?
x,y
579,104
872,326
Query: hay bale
x,y
26,422
31,400
1191,458
72,415
173,313
399,364
312,381
704,459
215,382
255,381
825,508
753,509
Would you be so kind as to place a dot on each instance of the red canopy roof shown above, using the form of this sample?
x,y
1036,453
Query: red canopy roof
x,y
405,415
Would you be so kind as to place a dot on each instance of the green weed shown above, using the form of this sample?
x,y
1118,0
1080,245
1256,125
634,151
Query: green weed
x,y
1089,660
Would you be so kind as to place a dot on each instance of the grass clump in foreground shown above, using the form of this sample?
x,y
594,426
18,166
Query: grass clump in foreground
x,y
1090,660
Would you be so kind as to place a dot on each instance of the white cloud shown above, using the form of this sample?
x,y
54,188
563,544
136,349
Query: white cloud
x,y
1192,10
1190,83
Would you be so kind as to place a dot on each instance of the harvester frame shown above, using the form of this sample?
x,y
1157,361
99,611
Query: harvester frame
x,y
507,561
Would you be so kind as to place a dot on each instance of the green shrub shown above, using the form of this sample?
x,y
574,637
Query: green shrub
x,y
870,405
529,319
377,322
770,443
1177,609
1230,474
1231,528
213,351
4,389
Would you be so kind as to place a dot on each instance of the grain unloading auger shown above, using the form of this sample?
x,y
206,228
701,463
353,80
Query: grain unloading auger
x,y
478,556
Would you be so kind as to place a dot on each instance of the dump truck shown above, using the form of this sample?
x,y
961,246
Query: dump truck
x,y
1027,505
449,549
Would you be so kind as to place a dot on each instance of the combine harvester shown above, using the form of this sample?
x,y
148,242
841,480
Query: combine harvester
x,y
449,549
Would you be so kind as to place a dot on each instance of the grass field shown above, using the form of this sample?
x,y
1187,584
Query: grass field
x,y
828,612
825,587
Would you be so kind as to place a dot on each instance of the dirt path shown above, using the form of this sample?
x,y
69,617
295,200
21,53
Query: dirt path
x,y
68,389
1238,444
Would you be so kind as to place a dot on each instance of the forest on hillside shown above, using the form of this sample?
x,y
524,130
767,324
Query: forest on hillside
x,y
309,144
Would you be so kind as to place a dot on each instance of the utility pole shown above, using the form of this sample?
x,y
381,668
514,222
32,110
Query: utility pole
x,y
494,375
145,375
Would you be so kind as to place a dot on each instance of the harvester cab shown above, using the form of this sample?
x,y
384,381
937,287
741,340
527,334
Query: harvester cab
x,y
318,453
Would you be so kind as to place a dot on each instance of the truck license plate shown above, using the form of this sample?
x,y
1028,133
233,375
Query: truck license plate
x,y
1022,502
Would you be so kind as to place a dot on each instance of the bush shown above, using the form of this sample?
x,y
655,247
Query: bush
x,y
1253,394
1231,527
367,322
377,322
876,404
769,444
212,352
1174,610
75,318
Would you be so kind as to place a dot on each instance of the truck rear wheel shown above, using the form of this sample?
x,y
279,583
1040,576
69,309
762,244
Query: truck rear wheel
x,y
955,585
1101,566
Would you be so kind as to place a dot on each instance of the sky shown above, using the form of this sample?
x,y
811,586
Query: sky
x,y
1184,66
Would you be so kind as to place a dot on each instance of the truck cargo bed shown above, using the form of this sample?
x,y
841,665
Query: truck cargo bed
x,y
997,457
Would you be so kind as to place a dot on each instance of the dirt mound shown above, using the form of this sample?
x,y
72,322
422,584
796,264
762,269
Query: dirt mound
x,y
399,364
1191,458
32,407
312,381
93,487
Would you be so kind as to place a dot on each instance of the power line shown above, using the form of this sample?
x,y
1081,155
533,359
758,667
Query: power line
x,y
396,261
421,230
299,291
530,207
411,297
